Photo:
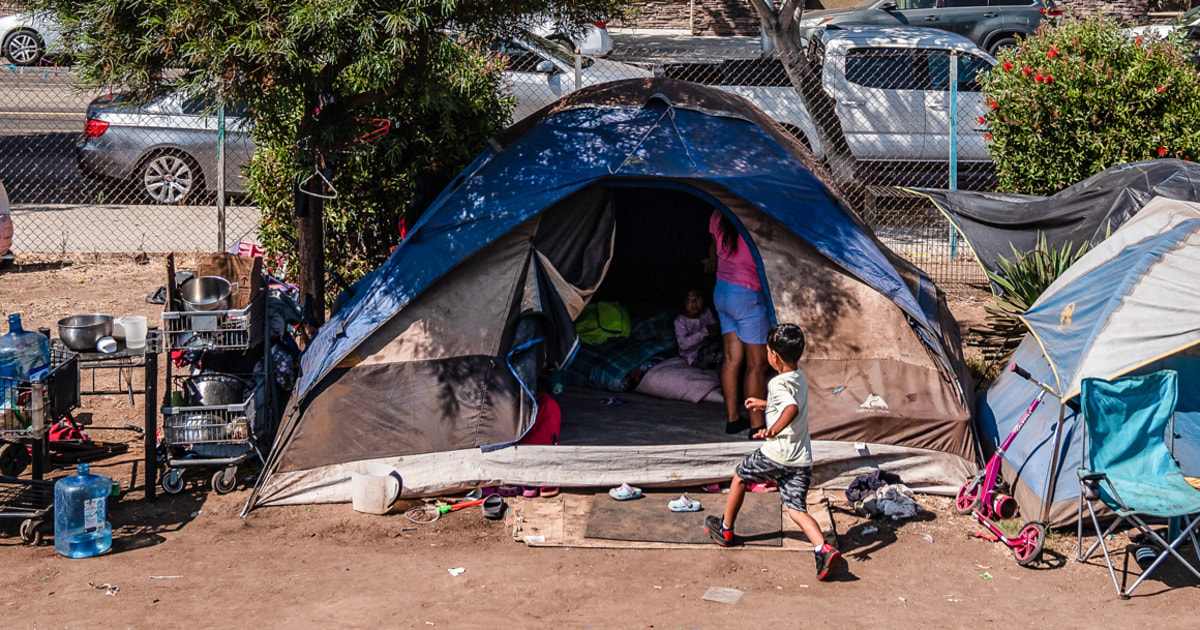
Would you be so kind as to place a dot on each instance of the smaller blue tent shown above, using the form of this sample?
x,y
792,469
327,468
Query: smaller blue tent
x,y
432,365
1129,306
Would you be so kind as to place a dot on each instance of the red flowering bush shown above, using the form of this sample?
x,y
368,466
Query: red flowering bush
x,y
1080,97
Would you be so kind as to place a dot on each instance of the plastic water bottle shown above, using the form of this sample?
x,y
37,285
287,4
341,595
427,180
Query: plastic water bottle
x,y
24,354
81,528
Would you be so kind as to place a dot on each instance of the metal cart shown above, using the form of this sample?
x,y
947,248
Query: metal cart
x,y
27,409
220,436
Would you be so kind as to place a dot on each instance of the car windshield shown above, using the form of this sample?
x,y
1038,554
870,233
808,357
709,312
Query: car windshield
x,y
1187,18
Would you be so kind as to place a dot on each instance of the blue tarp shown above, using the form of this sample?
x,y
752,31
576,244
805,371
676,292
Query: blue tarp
x,y
577,148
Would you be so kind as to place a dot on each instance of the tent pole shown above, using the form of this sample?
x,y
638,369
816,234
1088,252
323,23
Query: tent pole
x,y
1052,478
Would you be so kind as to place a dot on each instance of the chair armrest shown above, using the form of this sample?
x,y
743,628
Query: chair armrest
x,y
1087,475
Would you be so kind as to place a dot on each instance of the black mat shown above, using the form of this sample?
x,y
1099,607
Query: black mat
x,y
647,519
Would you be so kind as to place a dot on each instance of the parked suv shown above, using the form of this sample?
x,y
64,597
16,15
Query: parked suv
x,y
991,24
891,93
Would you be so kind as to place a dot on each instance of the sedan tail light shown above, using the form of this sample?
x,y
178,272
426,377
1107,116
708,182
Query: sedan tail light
x,y
600,24
1054,13
94,128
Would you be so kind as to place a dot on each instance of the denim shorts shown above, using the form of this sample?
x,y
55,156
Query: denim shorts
x,y
743,311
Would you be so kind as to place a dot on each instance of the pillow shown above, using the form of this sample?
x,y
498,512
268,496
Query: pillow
x,y
674,379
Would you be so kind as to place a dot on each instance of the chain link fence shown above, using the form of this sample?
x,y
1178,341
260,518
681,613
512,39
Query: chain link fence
x,y
87,174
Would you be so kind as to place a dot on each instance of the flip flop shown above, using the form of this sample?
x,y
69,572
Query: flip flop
x,y
683,504
529,492
713,487
625,492
548,491
493,507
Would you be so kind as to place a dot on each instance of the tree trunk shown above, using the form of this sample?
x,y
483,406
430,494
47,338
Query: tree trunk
x,y
781,26
311,254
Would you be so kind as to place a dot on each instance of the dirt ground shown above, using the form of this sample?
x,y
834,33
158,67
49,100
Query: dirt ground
x,y
189,559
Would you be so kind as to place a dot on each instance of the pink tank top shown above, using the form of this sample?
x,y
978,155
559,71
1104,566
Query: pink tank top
x,y
738,267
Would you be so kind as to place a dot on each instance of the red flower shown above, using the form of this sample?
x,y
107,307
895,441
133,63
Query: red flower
x,y
987,137
1138,41
981,120
1049,79
1161,89
1027,70
1008,66
1037,78
1162,151
1053,53
993,105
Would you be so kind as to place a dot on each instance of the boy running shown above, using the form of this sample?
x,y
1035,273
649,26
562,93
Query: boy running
x,y
786,456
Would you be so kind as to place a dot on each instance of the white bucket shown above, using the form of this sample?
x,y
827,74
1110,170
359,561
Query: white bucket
x,y
374,488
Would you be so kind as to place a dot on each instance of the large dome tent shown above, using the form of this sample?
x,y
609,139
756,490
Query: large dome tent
x,y
431,366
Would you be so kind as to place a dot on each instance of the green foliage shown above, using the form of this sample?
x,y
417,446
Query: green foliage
x,y
1020,281
314,73
1080,97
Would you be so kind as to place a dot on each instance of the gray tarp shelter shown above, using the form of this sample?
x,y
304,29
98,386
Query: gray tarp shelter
x,y
431,366
1085,213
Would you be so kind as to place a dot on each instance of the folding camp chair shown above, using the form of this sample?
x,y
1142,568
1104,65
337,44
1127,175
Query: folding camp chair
x,y
1131,470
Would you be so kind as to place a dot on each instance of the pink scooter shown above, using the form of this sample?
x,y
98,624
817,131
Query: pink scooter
x,y
978,497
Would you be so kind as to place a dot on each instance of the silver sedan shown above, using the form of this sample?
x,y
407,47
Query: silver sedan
x,y
168,146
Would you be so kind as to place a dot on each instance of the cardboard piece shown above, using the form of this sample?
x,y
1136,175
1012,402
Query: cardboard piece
x,y
241,270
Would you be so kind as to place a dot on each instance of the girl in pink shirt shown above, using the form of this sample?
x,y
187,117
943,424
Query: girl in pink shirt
x,y
742,309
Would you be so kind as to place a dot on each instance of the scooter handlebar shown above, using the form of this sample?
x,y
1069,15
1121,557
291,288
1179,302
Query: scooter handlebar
x,y
1022,372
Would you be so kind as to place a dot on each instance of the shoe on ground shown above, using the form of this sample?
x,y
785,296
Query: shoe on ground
x,y
720,535
683,504
828,562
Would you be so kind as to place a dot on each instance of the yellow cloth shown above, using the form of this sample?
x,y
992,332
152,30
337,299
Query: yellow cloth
x,y
1194,481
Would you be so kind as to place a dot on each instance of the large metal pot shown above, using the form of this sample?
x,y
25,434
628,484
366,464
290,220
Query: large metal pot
x,y
207,293
214,389
81,332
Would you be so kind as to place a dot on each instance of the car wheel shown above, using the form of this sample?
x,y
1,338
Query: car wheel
x,y
170,178
23,48
1002,44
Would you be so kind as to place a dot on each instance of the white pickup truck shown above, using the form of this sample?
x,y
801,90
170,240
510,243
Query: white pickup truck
x,y
890,87
891,93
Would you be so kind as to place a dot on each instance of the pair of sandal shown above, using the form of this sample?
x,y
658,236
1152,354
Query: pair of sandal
x,y
544,492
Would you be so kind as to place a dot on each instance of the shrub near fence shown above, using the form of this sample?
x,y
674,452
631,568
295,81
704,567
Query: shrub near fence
x,y
888,104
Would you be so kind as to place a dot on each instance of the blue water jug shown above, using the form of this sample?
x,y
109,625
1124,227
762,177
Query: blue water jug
x,y
81,528
24,355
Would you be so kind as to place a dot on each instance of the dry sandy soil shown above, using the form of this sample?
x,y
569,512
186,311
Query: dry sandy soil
x,y
190,560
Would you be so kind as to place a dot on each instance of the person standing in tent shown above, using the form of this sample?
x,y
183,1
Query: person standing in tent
x,y
742,311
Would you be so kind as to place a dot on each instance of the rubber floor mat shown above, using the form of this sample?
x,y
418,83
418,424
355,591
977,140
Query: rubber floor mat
x,y
760,522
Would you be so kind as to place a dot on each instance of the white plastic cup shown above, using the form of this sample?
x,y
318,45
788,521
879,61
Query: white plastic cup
x,y
135,330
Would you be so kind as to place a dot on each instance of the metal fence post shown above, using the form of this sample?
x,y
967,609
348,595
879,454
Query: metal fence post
x,y
578,69
221,177
953,143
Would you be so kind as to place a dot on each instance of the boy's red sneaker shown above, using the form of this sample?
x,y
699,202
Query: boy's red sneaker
x,y
828,560
720,535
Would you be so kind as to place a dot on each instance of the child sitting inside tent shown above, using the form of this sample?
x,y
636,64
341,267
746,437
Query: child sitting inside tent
x,y
698,333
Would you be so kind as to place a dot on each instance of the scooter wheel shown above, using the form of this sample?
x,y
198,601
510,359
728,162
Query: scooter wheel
x,y
968,500
172,481
1029,543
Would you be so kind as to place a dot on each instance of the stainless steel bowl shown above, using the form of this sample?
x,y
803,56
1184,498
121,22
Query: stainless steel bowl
x,y
81,332
214,389
206,293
